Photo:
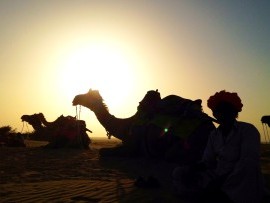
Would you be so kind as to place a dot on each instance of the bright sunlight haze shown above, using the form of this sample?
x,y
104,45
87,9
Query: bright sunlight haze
x,y
52,51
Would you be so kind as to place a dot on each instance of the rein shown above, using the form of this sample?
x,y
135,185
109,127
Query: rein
x,y
78,116
78,112
26,127
22,127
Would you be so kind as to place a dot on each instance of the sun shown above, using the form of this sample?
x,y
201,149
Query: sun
x,y
104,67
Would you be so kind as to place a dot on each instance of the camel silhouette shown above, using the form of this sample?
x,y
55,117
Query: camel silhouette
x,y
65,131
62,121
176,117
33,120
118,127
266,121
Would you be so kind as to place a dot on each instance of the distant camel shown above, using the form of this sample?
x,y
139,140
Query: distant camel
x,y
64,131
266,121
62,121
41,131
174,116
68,132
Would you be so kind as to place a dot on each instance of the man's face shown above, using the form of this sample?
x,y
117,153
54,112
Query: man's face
x,y
225,113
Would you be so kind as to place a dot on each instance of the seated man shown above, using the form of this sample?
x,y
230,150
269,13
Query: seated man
x,y
230,168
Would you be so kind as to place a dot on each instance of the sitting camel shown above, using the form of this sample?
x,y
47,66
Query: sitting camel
x,y
160,127
43,130
62,121
68,132
118,127
63,132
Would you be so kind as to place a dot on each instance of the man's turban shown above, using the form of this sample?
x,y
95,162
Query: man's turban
x,y
225,97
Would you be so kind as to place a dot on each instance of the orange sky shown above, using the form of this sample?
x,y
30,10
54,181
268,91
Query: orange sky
x,y
51,51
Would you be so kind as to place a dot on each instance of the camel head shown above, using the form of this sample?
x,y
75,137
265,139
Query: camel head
x,y
32,120
91,99
25,118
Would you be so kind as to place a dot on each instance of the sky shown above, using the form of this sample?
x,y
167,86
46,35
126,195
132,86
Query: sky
x,y
51,51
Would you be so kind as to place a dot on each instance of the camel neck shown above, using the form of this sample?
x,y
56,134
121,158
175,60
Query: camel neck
x,y
102,114
105,118
44,121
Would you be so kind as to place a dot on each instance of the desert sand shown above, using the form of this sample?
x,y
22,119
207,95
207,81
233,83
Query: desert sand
x,y
36,174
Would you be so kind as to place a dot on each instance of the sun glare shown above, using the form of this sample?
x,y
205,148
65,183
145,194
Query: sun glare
x,y
97,66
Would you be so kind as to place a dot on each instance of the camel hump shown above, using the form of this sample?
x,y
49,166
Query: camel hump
x,y
152,96
174,104
150,100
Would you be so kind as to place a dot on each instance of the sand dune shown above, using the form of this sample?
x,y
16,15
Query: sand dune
x,y
35,174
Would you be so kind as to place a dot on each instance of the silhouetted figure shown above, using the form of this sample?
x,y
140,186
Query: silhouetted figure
x,y
230,167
